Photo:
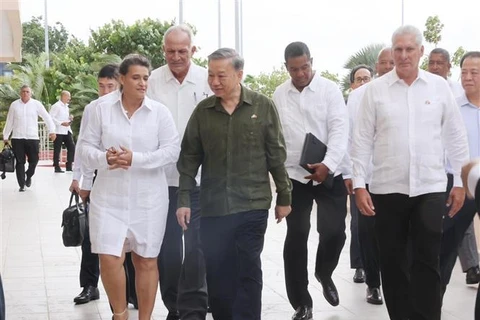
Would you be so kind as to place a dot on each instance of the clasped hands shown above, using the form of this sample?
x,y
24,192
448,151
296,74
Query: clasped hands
x,y
119,159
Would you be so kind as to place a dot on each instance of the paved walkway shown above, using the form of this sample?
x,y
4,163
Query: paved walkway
x,y
41,275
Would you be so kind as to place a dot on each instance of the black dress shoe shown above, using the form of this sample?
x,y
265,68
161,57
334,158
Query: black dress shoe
x,y
88,294
473,275
22,189
329,290
374,296
359,276
28,182
59,170
303,313
173,315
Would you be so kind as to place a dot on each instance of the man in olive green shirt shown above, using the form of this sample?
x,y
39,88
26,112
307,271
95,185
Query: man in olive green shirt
x,y
236,137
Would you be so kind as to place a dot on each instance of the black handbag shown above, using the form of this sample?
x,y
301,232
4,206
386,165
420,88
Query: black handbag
x,y
7,160
74,222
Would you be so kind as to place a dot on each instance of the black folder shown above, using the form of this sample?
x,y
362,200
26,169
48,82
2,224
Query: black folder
x,y
314,151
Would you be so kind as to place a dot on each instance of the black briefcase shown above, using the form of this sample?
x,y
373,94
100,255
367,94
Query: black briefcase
x,y
7,160
74,222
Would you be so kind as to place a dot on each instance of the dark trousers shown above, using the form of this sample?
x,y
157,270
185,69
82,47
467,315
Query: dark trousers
x,y
355,253
453,233
411,291
232,245
183,285
24,149
67,140
89,267
331,213
368,245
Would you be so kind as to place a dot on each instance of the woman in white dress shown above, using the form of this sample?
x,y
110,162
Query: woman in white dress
x,y
129,139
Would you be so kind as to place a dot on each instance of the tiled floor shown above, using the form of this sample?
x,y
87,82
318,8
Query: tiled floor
x,y
41,275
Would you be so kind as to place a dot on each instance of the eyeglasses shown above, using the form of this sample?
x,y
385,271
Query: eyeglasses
x,y
362,79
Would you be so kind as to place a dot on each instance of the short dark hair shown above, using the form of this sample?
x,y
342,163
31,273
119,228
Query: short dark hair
x,y
109,71
441,51
471,54
296,49
134,59
228,53
356,68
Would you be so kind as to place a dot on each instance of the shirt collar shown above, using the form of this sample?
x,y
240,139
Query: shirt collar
x,y
462,101
147,102
392,76
312,86
188,78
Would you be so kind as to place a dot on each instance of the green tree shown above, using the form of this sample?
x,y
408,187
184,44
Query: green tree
x,y
433,30
266,83
34,37
143,37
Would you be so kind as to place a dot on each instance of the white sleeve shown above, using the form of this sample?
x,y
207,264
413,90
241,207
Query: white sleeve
x,y
169,145
454,136
42,112
337,124
362,139
9,123
90,146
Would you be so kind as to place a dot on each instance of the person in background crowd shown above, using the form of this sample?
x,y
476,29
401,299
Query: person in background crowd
x,y
22,120
89,269
60,114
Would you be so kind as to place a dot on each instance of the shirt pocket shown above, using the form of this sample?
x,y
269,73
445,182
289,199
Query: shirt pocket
x,y
252,134
114,135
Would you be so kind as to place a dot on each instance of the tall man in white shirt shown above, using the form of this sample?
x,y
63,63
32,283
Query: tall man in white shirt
x,y
310,103
407,120
455,228
180,85
22,120
61,117
366,235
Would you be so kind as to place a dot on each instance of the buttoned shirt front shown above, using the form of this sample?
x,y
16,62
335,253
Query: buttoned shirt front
x,y
319,109
408,128
179,98
22,119
237,152
60,113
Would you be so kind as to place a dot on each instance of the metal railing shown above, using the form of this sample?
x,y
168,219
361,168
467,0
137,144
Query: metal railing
x,y
46,145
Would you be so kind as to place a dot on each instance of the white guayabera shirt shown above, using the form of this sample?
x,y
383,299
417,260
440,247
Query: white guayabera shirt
x,y
408,129
181,99
319,109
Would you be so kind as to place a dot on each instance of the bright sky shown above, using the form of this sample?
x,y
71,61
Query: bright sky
x,y
333,30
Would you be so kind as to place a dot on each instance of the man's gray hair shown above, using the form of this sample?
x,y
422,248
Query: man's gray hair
x,y
408,29
228,53
179,27
441,51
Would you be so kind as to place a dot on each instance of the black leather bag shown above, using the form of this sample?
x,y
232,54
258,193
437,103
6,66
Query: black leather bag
x,y
7,160
74,222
